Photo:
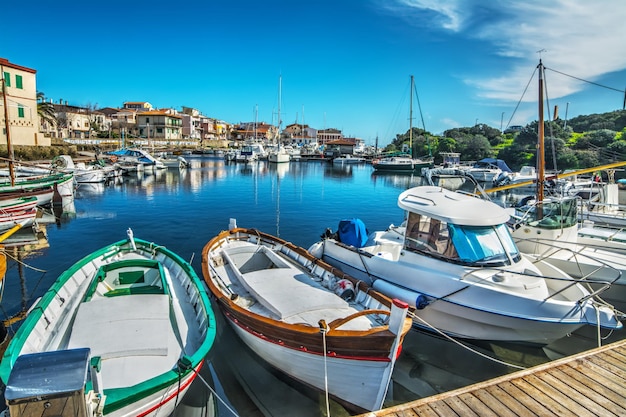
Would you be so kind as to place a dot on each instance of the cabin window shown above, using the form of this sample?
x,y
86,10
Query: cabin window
x,y
483,244
7,79
18,82
429,235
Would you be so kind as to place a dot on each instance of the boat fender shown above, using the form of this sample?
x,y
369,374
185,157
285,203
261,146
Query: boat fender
x,y
113,158
413,298
345,289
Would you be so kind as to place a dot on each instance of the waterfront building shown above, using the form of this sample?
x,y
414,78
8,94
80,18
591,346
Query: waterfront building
x,y
18,106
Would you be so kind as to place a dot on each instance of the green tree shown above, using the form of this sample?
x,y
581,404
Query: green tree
x,y
45,109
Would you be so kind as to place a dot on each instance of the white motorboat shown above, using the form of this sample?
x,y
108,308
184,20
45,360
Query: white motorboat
x,y
488,169
278,155
136,156
348,159
455,260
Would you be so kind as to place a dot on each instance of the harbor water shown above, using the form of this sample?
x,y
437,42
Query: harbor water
x,y
183,209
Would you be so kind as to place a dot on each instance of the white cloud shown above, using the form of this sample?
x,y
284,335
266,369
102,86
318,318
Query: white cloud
x,y
582,39
447,13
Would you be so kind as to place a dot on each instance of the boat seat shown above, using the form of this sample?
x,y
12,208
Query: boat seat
x,y
270,287
123,326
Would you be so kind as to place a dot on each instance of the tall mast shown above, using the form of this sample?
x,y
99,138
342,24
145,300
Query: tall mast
x,y
280,85
7,129
540,147
411,119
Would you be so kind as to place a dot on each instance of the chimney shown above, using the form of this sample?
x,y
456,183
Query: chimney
x,y
556,112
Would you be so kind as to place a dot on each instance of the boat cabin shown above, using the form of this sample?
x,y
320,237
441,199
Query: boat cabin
x,y
458,227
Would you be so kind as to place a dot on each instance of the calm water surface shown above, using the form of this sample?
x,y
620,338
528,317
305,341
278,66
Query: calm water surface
x,y
183,210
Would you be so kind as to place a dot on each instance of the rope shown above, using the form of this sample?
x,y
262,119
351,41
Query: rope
x,y
206,384
324,330
463,345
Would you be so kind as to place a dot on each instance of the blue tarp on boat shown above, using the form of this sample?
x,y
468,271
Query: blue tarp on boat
x,y
487,162
352,232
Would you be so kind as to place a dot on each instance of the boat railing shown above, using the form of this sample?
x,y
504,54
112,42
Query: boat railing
x,y
576,254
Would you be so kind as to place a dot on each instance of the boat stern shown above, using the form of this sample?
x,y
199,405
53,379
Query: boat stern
x,y
54,380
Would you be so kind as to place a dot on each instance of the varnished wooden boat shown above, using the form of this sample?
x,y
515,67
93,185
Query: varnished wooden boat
x,y
304,317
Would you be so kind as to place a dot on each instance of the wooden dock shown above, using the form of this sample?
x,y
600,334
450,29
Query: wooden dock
x,y
592,383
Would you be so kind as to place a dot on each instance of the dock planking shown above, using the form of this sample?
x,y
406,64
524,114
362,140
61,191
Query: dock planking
x,y
591,383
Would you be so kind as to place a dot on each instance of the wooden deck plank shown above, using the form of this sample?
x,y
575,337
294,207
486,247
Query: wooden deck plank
x,y
493,403
508,400
442,409
591,383
609,389
529,384
588,398
478,407
598,372
528,401
459,407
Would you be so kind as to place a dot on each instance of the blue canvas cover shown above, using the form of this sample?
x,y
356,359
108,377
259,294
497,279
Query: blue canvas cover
x,y
486,162
352,232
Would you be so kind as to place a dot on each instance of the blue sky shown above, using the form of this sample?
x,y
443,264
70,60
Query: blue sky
x,y
344,64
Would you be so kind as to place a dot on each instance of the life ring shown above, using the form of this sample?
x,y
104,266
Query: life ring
x,y
113,158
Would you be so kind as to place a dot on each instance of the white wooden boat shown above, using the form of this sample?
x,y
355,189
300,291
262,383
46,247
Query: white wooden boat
x,y
62,183
306,319
455,260
123,332
44,194
18,203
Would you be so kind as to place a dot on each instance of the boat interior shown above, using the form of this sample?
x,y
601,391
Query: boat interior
x,y
260,277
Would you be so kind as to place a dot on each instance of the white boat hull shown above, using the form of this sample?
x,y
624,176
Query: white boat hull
x,y
459,307
363,382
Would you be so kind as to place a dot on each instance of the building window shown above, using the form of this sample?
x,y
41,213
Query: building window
x,y
7,79
18,82
20,111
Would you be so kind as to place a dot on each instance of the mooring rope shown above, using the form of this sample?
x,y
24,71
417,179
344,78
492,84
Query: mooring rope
x,y
206,384
463,345
324,330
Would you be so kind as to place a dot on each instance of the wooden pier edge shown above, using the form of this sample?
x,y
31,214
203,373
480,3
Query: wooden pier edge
x,y
412,408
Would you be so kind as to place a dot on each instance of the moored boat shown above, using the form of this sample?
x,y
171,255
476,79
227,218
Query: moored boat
x,y
123,332
306,319
454,259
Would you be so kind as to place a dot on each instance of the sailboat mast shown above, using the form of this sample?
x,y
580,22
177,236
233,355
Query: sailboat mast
x,y
280,86
540,147
411,119
7,129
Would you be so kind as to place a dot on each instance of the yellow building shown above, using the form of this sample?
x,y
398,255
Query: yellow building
x,y
19,106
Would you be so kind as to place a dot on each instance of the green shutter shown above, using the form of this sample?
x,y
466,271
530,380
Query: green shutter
x,y
7,79
18,82
20,111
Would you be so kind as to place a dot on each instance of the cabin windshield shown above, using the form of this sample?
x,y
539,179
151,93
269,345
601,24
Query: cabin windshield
x,y
484,245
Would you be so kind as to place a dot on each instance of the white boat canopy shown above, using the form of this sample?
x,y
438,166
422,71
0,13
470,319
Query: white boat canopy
x,y
452,207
